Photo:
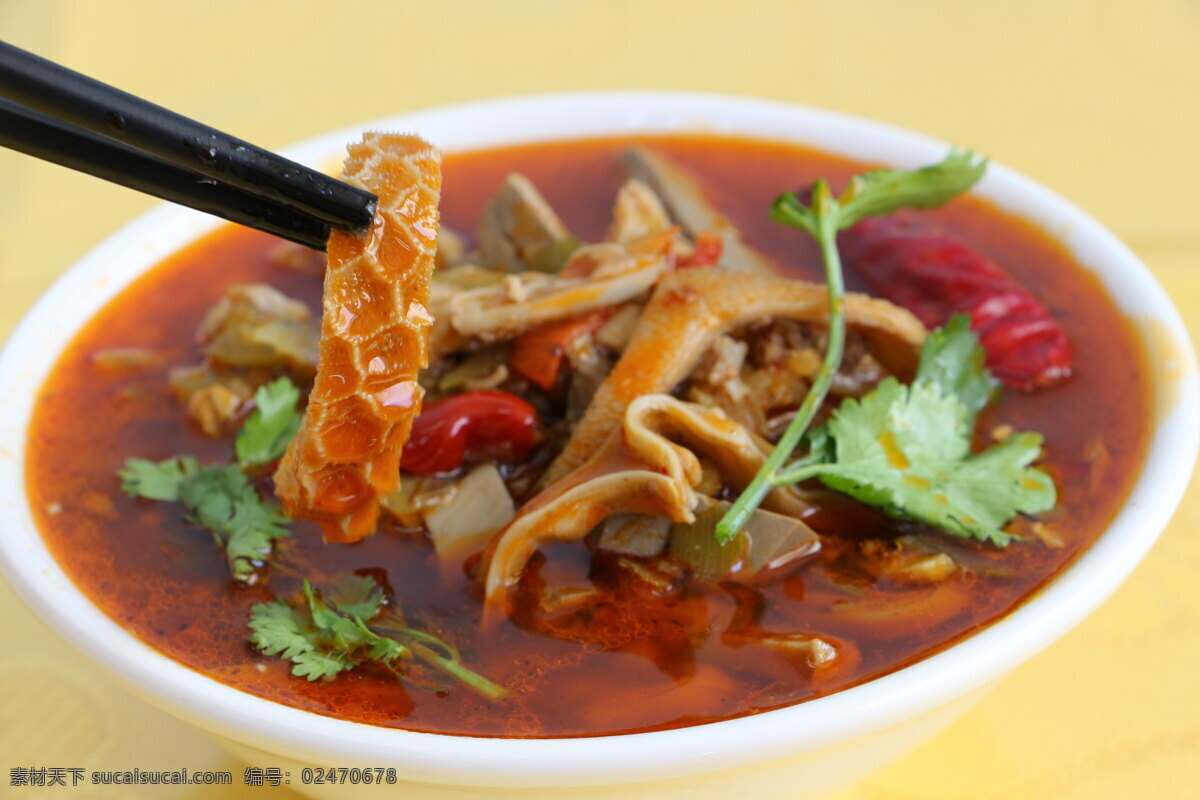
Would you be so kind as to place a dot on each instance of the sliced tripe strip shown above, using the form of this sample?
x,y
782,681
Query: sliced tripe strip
x,y
685,202
691,308
374,340
518,229
488,314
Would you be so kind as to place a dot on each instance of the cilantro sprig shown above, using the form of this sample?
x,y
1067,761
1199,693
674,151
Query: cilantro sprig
x,y
219,497
870,194
326,636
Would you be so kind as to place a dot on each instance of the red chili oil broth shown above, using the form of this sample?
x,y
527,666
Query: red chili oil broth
x,y
636,661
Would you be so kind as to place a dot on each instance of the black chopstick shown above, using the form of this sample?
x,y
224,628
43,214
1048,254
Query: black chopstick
x,y
38,135
65,117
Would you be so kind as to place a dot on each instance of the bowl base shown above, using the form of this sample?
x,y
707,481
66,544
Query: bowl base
x,y
808,776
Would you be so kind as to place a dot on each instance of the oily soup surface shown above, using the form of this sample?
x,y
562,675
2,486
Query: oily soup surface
x,y
642,662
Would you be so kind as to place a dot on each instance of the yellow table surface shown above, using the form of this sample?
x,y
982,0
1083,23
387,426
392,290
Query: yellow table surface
x,y
1098,100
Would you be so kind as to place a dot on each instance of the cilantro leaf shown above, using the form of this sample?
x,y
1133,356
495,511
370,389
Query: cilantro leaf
x,y
900,424
953,359
344,632
275,420
357,596
277,629
385,649
322,616
142,478
323,639
221,498
251,536
218,498
906,450
315,665
210,496
305,639
883,191
820,446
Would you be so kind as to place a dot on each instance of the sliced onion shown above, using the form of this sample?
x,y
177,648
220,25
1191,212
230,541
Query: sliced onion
x,y
480,507
768,543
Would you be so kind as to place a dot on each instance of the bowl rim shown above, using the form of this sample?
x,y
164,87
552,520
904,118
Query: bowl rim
x,y
57,316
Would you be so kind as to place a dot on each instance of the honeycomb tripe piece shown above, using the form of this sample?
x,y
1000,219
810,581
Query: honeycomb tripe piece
x,y
374,335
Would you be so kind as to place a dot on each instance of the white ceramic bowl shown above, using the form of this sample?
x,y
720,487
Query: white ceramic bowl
x,y
801,751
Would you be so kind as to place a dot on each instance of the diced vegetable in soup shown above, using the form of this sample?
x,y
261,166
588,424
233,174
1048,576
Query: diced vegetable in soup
x,y
632,459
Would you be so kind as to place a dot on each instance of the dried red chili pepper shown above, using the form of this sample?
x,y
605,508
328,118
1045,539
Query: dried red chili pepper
x,y
935,276
469,426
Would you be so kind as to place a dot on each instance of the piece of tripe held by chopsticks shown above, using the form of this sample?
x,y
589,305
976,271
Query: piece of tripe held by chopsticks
x,y
374,334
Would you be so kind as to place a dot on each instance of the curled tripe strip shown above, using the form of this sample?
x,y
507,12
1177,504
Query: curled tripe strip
x,y
691,308
648,466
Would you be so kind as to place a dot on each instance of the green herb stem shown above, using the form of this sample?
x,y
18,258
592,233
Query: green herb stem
x,y
823,225
473,680
797,472
426,646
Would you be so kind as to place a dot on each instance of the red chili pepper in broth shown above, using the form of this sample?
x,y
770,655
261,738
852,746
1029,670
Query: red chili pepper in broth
x,y
935,276
469,426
